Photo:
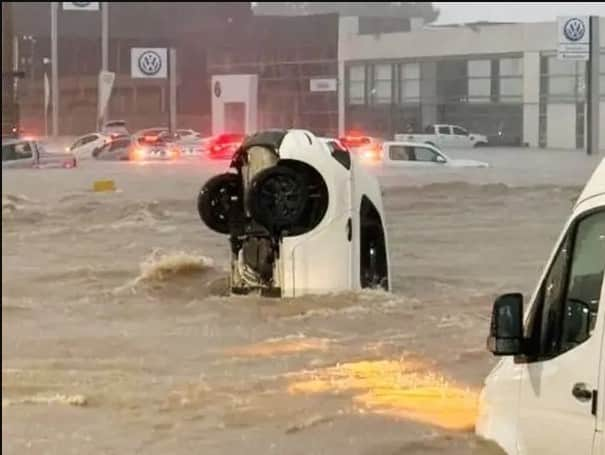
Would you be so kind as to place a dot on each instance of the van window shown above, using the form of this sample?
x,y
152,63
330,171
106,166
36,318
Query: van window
x,y
565,311
444,130
460,131
425,154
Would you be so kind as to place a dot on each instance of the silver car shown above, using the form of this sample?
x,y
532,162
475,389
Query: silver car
x,y
21,153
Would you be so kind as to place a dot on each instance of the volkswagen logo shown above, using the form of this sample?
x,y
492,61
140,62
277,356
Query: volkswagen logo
x,y
574,29
150,63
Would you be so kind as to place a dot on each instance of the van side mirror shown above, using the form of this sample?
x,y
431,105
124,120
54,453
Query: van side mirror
x,y
506,328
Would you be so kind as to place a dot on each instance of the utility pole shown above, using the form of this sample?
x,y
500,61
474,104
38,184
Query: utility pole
x,y
54,62
104,55
593,92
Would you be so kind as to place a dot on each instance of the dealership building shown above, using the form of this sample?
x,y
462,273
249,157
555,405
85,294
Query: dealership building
x,y
499,79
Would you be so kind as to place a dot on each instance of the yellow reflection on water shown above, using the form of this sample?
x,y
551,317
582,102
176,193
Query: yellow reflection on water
x,y
279,346
405,389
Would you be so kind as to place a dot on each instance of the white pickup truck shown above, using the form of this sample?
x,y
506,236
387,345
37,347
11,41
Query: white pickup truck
x,y
452,136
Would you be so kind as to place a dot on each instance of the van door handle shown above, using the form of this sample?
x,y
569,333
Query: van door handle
x,y
581,392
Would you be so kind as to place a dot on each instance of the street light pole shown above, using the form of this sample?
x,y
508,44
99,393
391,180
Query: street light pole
x,y
104,58
54,61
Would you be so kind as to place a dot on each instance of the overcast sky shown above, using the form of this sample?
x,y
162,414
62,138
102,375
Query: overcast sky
x,y
457,12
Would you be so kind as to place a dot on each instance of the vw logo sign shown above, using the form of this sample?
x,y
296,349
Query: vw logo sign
x,y
574,29
217,89
150,63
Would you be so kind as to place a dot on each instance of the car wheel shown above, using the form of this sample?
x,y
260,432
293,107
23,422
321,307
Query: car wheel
x,y
217,200
278,197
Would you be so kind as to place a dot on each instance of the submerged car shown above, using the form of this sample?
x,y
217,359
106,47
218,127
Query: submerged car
x,y
85,145
115,128
547,394
22,153
302,217
412,154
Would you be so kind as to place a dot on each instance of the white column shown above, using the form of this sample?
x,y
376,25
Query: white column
x,y
531,98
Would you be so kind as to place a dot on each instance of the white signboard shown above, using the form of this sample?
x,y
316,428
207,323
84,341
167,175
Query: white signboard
x,y
81,6
322,85
573,35
150,62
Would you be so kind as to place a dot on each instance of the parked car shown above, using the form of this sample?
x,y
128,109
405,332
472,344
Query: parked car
x,y
22,153
85,145
411,154
223,146
452,136
547,394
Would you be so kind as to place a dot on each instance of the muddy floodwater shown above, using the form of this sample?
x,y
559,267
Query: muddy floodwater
x,y
118,336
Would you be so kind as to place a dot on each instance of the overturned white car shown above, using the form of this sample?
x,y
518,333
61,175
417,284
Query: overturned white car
x,y
302,217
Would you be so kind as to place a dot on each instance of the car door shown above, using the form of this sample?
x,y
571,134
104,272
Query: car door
x,y
444,136
564,335
460,137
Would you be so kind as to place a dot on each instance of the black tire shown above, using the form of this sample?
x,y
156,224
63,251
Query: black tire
x,y
278,197
216,200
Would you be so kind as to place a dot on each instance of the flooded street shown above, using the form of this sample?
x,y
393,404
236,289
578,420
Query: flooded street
x,y
118,335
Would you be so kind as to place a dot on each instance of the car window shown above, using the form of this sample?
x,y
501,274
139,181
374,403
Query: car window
x,y
401,153
426,154
17,151
565,311
444,130
460,131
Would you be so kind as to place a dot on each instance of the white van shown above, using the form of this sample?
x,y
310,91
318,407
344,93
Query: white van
x,y
547,395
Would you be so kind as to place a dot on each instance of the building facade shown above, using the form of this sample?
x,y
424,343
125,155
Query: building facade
x,y
502,80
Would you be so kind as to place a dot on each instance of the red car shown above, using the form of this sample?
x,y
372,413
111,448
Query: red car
x,y
223,146
366,147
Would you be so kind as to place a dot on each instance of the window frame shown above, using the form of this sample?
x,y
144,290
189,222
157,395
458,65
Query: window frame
x,y
535,311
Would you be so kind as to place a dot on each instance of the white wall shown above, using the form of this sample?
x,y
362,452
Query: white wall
x,y
531,98
235,88
446,42
561,126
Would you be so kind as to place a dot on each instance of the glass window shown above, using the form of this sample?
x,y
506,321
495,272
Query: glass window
x,y
511,67
565,311
356,84
561,86
511,87
18,151
382,87
585,281
460,131
444,130
410,90
400,153
424,154
479,88
410,71
479,68
409,83
561,67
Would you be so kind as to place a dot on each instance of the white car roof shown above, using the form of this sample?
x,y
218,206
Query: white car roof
x,y
595,185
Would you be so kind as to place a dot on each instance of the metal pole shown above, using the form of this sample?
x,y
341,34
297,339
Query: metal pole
x,y
45,109
593,93
172,81
104,55
54,61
